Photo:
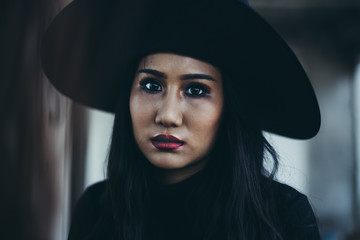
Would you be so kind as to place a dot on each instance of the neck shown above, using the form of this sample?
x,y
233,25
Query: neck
x,y
171,176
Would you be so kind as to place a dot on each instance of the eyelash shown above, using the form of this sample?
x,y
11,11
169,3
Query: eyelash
x,y
200,87
146,83
152,86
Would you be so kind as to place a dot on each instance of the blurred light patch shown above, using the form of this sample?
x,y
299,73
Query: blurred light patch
x,y
293,159
100,129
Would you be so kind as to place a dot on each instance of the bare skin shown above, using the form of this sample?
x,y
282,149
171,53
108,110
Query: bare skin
x,y
180,97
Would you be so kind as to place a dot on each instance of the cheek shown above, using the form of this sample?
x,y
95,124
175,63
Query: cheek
x,y
142,113
205,120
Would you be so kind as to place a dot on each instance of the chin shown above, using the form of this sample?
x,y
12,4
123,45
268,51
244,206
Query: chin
x,y
168,163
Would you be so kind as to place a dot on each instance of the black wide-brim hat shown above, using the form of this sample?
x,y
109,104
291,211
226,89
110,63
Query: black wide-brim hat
x,y
89,50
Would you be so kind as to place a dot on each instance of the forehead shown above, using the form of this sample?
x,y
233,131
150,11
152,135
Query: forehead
x,y
174,62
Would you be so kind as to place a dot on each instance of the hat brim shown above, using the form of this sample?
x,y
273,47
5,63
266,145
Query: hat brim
x,y
89,49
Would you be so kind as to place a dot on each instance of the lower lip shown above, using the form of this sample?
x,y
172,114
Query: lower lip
x,y
167,146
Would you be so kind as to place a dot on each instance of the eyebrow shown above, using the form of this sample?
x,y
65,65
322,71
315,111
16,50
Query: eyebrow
x,y
197,76
183,77
152,72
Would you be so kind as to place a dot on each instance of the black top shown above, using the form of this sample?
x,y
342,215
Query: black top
x,y
170,216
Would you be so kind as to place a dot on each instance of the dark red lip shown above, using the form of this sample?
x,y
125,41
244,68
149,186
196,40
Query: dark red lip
x,y
166,142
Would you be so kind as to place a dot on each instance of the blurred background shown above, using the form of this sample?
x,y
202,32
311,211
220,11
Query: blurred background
x,y
52,149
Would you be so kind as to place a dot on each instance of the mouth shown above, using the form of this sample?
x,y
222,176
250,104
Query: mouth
x,y
166,142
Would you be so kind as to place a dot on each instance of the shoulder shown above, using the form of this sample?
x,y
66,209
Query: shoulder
x,y
90,212
290,201
93,196
295,215
286,194
94,192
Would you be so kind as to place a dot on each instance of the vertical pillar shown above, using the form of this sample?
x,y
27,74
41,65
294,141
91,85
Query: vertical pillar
x,y
356,171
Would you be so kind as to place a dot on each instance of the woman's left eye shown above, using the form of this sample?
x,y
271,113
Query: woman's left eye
x,y
196,90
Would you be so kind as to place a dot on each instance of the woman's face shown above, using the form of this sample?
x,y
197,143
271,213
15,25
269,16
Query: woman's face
x,y
176,104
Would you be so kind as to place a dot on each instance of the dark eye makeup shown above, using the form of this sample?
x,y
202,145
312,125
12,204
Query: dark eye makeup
x,y
150,85
196,89
192,89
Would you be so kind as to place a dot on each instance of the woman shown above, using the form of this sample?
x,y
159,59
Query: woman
x,y
192,85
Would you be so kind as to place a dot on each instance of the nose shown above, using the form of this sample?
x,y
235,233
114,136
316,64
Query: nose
x,y
169,113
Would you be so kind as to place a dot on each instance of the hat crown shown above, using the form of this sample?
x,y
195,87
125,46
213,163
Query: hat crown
x,y
217,2
244,2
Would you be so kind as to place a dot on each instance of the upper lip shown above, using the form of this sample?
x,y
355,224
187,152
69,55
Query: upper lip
x,y
166,138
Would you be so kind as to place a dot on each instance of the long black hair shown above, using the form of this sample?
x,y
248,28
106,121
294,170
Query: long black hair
x,y
238,191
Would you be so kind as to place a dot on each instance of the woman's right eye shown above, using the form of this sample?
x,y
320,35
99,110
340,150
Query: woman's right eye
x,y
150,85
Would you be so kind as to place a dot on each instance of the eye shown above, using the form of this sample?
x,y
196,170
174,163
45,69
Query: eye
x,y
196,90
150,85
